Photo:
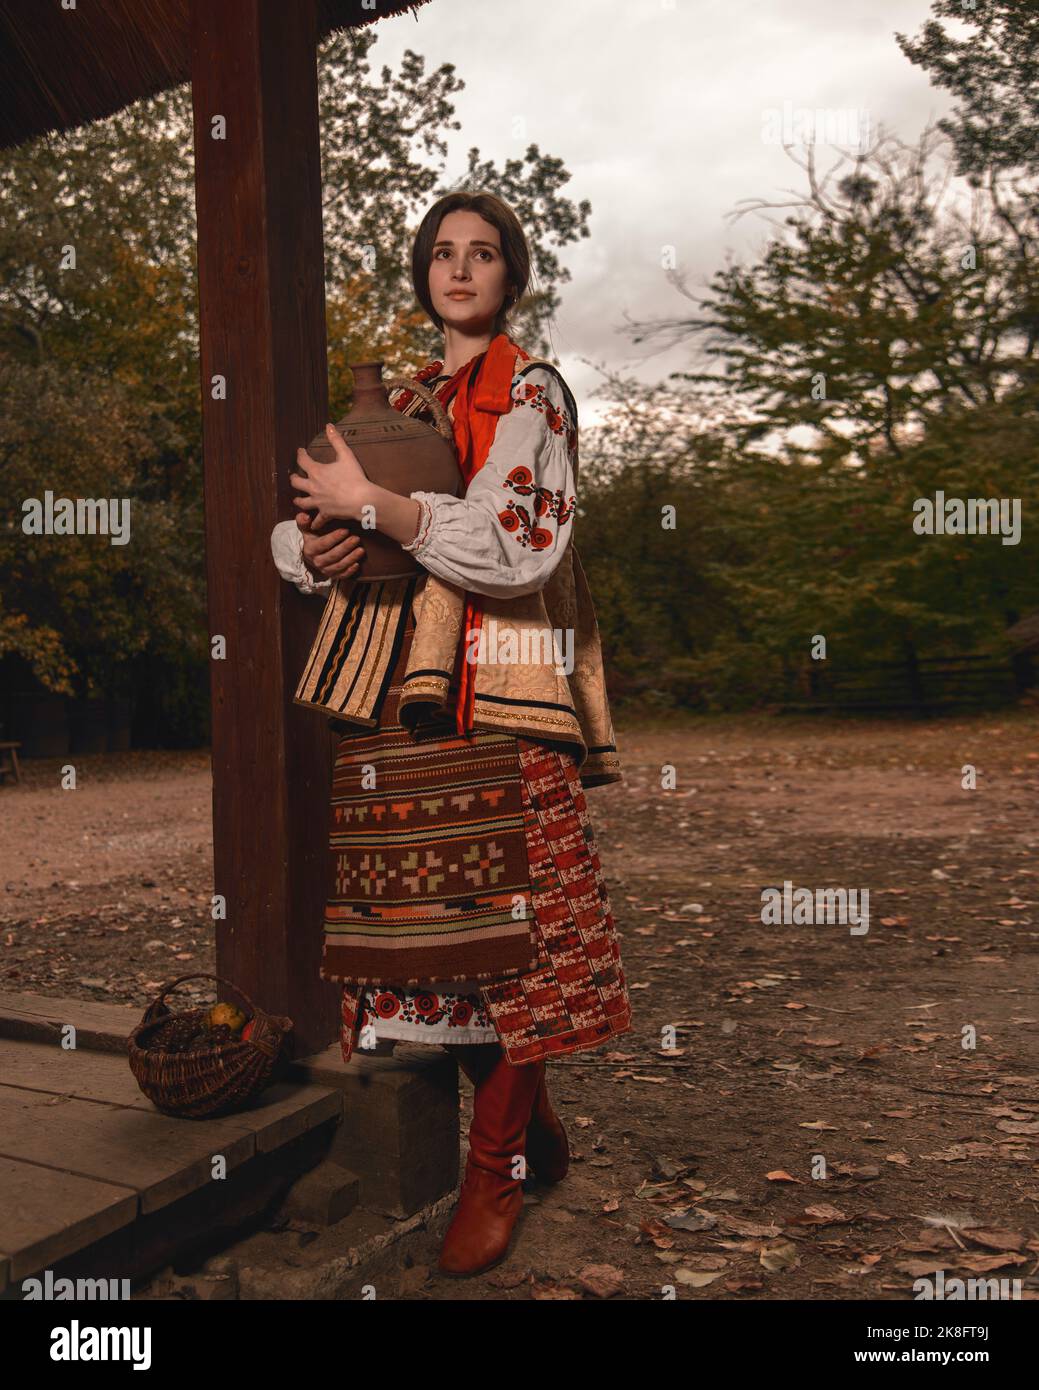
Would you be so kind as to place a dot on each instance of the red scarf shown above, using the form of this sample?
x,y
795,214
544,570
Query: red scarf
x,y
482,389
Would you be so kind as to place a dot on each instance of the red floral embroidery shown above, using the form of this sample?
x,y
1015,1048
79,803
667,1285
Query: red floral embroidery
x,y
385,1005
516,518
426,1005
420,1008
529,393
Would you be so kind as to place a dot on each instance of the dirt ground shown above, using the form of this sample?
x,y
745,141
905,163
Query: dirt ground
x,y
819,1129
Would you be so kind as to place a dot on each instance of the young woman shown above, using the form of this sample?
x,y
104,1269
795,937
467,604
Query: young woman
x,y
467,904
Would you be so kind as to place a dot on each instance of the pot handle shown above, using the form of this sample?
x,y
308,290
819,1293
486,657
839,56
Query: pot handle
x,y
442,421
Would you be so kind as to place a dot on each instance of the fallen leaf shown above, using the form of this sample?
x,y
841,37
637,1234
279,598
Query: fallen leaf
x,y
657,1233
554,1293
981,1264
958,1152
920,1269
601,1280
997,1240
738,1226
712,1262
820,1214
776,1258
508,1278
695,1278
691,1220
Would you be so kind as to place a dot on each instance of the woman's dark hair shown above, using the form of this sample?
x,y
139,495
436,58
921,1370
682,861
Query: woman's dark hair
x,y
514,249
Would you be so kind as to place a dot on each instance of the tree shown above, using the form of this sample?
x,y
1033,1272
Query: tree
x,y
76,609
867,359
994,75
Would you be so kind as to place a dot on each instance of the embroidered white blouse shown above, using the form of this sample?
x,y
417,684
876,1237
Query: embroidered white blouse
x,y
508,533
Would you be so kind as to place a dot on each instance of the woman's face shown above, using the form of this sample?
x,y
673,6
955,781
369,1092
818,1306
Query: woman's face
x,y
468,277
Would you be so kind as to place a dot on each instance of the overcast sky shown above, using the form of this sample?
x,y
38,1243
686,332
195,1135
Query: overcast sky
x,y
658,108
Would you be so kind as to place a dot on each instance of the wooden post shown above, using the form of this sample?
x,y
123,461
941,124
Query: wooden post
x,y
262,320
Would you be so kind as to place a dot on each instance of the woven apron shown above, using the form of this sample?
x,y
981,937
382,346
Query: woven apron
x,y
428,874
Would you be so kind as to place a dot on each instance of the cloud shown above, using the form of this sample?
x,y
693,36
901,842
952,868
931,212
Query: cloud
x,y
656,109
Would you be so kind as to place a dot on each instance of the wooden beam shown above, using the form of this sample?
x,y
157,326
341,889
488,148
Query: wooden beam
x,y
262,321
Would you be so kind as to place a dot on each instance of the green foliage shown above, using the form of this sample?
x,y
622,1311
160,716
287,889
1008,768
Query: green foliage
x,y
77,609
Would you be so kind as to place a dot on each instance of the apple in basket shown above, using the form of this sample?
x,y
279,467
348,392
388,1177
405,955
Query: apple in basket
x,y
247,1031
225,1016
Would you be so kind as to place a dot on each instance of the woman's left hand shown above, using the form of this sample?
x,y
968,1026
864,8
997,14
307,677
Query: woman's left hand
x,y
336,489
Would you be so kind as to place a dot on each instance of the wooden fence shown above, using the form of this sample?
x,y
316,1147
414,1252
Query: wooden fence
x,y
922,686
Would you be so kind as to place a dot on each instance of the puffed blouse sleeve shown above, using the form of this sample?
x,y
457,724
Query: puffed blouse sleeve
x,y
287,550
508,533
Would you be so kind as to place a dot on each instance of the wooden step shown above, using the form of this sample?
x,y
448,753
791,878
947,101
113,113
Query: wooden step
x,y
83,1153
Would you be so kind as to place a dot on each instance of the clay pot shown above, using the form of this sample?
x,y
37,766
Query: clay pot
x,y
397,452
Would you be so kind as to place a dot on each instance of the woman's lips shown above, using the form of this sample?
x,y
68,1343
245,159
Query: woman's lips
x,y
461,294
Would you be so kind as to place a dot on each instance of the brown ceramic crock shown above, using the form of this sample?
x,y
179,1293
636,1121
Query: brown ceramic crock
x,y
396,451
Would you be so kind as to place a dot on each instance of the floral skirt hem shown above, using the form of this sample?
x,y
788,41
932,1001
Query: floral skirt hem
x,y
428,1014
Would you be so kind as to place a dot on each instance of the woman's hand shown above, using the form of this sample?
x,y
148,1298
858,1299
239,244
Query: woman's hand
x,y
337,555
337,489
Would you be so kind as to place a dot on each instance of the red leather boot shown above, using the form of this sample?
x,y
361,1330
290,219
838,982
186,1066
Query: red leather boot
x,y
548,1152
491,1197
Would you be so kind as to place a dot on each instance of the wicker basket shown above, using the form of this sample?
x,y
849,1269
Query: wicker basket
x,y
211,1080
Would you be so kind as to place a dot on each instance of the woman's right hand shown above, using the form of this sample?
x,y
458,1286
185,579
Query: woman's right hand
x,y
336,554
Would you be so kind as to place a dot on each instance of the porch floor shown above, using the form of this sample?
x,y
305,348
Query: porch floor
x,y
94,1179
